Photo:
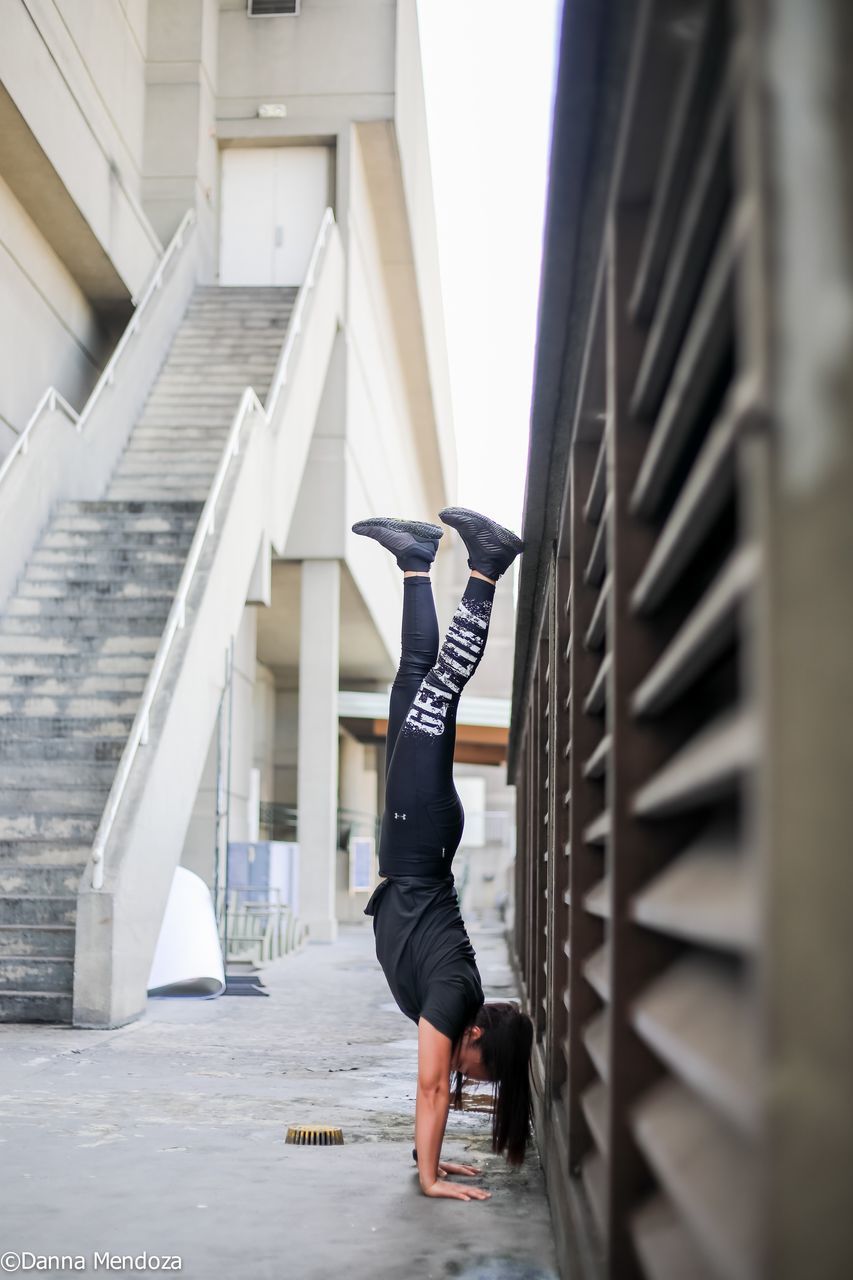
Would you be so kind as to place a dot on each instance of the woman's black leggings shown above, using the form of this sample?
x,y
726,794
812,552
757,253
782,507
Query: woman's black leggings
x,y
423,819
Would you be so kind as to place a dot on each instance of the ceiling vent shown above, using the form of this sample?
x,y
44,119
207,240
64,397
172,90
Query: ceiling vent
x,y
274,8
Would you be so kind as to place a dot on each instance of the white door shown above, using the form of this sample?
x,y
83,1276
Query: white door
x,y
273,199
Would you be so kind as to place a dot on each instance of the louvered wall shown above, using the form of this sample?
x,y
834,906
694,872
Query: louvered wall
x,y
635,922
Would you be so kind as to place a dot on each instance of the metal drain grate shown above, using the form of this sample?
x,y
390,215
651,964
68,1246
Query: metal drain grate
x,y
315,1135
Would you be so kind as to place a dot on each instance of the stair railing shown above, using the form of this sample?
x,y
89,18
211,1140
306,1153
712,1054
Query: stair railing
x,y
249,407
53,399
279,378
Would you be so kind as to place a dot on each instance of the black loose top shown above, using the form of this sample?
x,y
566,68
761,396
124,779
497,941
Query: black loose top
x,y
425,952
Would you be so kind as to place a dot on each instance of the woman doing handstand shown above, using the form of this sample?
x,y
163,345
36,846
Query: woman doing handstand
x,y
421,940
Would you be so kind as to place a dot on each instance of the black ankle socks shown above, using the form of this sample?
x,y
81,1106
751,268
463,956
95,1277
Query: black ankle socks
x,y
416,560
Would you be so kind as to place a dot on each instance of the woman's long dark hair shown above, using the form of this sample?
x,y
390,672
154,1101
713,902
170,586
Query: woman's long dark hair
x,y
506,1044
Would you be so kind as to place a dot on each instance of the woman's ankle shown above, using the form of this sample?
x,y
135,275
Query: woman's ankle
x,y
416,573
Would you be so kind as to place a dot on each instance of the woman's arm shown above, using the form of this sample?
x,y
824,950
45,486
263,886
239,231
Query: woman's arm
x,y
431,1107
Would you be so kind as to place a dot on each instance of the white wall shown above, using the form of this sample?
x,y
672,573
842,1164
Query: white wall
x,y
48,330
110,42
388,470
199,843
331,64
73,79
413,143
181,156
263,749
357,792
286,745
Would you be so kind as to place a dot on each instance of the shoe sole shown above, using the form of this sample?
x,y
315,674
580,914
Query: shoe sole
x,y
505,537
417,528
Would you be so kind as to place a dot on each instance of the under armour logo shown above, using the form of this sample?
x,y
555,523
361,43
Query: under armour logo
x,y
400,815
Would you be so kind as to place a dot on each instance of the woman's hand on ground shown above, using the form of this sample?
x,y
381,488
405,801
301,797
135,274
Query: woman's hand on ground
x,y
453,1191
465,1170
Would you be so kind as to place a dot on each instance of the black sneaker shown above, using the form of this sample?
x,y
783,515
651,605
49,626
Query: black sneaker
x,y
491,547
413,542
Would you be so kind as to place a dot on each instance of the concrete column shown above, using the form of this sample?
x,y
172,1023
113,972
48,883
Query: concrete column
x,y
317,786
181,155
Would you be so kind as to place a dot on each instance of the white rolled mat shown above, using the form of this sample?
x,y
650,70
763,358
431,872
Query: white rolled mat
x,y
188,956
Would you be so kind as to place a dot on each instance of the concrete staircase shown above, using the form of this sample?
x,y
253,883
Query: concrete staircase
x,y
79,636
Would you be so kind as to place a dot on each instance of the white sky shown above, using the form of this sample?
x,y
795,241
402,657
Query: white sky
x,y
488,70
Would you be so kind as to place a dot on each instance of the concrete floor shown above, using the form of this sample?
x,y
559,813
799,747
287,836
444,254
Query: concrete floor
x,y
167,1136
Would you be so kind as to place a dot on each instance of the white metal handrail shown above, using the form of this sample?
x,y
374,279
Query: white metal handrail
x,y
53,399
249,403
294,328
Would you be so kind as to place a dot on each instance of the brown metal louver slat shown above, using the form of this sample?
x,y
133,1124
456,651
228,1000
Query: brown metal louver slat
x,y
684,598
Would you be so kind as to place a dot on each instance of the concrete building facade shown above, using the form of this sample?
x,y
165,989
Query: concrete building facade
x,y
223,343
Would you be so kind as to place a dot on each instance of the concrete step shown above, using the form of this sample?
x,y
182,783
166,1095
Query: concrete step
x,y
36,1006
232,318
221,374
49,826
59,775
176,413
235,318
96,544
179,436
231,298
48,853
53,801
227,348
116,542
178,410
159,482
38,971
105,559
179,475
74,672
103,577
186,393
32,908
188,460
76,654
236,335
124,588
166,426
158,477
139,486
55,879
24,941
21,729
108,599
128,525
191,328
175,446
24,706
128,508
76,749
223,360
168,477
229,368
41,686
126,624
